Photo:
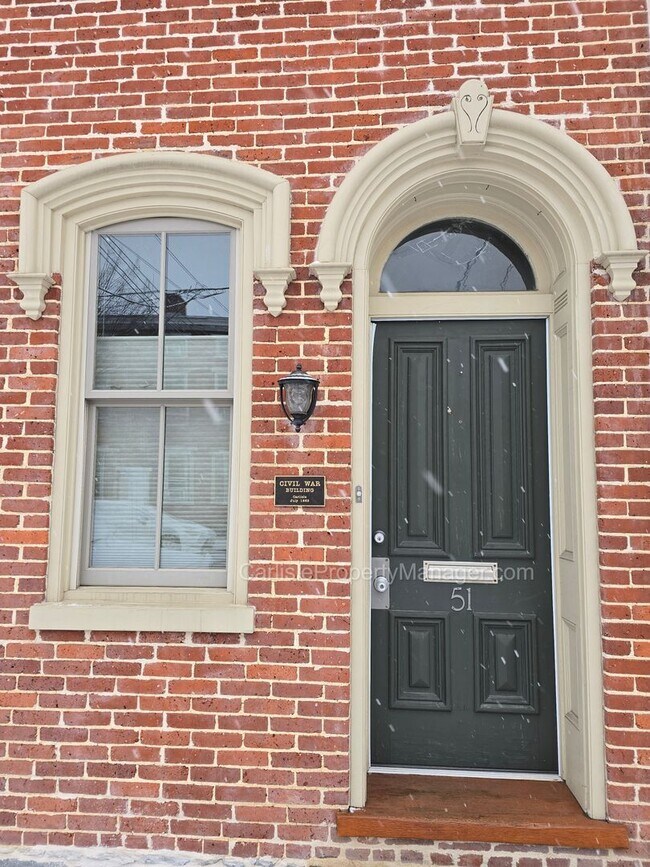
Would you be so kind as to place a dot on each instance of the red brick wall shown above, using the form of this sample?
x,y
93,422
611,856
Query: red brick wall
x,y
174,741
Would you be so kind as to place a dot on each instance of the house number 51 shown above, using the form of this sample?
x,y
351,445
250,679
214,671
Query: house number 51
x,y
460,602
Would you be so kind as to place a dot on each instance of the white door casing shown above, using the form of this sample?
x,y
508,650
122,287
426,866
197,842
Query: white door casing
x,y
565,211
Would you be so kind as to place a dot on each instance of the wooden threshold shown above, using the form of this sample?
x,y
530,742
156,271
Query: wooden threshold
x,y
472,810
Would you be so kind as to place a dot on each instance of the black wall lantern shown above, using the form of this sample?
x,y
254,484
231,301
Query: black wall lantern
x,y
298,393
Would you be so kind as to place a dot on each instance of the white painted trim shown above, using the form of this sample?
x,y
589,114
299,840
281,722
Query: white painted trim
x,y
165,617
527,172
131,186
330,275
444,305
563,209
58,215
465,774
553,542
34,288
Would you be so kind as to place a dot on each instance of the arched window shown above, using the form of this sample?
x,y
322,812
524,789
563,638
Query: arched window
x,y
457,255
158,253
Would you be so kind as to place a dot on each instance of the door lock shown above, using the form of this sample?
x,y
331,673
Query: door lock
x,y
379,536
380,586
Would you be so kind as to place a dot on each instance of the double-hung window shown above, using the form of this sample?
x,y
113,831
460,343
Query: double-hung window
x,y
158,253
158,406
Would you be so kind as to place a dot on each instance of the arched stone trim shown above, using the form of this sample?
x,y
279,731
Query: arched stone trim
x,y
564,210
58,216
523,161
163,183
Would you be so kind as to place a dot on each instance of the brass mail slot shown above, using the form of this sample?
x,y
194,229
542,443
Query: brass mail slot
x,y
457,572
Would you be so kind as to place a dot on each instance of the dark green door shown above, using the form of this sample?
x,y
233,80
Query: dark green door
x,y
462,669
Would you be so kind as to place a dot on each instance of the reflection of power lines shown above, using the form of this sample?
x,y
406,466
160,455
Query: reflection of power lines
x,y
461,285
197,286
477,256
124,291
457,243
125,252
506,277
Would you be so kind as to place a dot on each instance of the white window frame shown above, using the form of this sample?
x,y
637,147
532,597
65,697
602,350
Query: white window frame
x,y
58,216
155,398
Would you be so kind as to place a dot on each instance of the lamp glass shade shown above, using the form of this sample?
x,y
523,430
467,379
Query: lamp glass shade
x,y
298,394
298,397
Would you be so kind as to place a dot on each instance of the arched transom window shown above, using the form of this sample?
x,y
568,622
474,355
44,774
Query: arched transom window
x,y
457,255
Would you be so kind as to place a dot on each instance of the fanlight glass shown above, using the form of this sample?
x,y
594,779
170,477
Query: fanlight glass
x,y
457,255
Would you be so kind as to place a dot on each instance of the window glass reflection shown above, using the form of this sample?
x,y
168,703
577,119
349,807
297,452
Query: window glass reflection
x,y
128,299
457,256
195,491
197,295
124,512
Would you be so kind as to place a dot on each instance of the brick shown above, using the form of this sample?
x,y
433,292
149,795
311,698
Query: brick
x,y
238,746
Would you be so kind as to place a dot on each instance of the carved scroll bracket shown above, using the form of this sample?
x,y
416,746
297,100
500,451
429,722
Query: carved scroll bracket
x,y
620,265
34,288
330,275
276,282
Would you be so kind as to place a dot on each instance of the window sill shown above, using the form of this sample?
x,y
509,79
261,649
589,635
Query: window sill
x,y
473,810
163,611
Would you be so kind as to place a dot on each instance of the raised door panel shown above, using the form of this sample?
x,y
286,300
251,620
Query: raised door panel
x,y
505,663
420,661
418,474
502,449
564,429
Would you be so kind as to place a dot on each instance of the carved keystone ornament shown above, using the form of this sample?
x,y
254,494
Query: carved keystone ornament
x,y
473,109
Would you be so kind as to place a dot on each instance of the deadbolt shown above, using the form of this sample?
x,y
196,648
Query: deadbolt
x,y
379,536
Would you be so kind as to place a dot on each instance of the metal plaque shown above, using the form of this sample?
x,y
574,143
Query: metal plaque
x,y
457,572
300,490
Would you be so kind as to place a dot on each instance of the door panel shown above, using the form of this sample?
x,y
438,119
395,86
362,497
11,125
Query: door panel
x,y
505,664
503,518
462,674
420,675
417,521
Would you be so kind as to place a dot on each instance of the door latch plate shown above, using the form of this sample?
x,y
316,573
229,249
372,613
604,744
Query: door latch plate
x,y
380,584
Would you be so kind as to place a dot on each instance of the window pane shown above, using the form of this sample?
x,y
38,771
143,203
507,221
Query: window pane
x,y
126,474
196,311
195,491
457,256
128,300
